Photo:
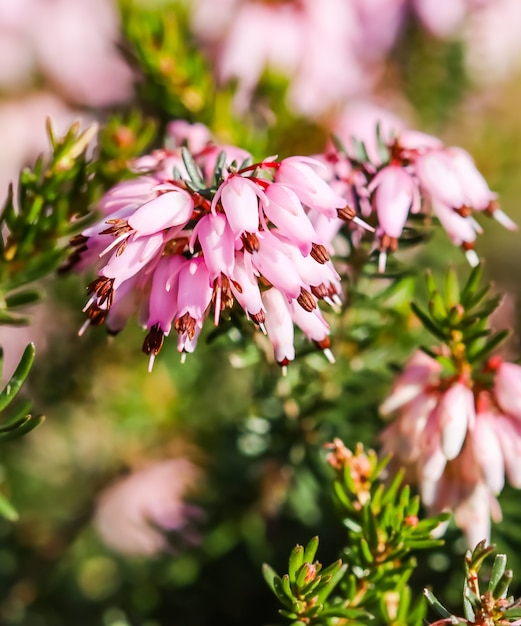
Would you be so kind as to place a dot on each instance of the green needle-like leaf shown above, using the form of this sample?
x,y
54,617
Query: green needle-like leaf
x,y
18,378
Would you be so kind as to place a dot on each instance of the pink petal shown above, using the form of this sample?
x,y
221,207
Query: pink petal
x,y
169,209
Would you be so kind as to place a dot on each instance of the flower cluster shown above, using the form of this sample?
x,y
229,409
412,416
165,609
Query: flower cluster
x,y
192,233
329,51
413,173
134,513
457,437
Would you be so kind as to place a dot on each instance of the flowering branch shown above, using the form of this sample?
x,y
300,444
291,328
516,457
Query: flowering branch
x,y
489,608
383,529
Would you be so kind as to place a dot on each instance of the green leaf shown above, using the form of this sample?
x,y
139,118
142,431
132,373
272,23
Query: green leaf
x,y
452,293
469,290
24,427
324,593
310,550
427,321
489,346
366,551
296,559
281,593
192,169
501,587
18,378
498,569
219,167
23,298
269,576
436,604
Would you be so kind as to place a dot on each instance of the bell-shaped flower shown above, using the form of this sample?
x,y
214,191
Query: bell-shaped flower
x,y
508,431
279,326
488,452
456,414
507,388
173,208
271,260
474,186
395,194
245,287
438,178
194,292
461,230
217,243
133,193
312,190
286,212
239,198
136,254
421,371
163,304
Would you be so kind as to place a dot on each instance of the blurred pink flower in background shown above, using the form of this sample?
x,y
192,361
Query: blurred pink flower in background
x,y
330,51
23,132
135,513
71,42
456,438
492,38
68,49
313,44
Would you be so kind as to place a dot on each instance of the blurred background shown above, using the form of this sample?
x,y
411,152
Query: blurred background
x,y
153,499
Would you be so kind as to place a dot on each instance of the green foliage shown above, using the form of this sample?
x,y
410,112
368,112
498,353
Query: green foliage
x,y
15,417
305,589
458,317
371,579
488,608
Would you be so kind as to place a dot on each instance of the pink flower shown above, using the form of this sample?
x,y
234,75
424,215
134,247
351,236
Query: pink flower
x,y
312,191
508,388
456,439
240,200
195,136
286,212
413,173
395,194
134,514
279,326
171,253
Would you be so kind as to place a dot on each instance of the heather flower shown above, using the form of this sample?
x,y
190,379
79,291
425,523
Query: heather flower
x,y
412,173
135,514
173,247
457,438
395,195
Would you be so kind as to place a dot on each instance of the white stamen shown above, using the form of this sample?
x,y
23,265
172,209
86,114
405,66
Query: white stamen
x,y
365,225
329,355
501,217
475,225
333,304
183,357
84,327
382,262
217,306
116,242
263,328
91,300
151,362
472,258
284,370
